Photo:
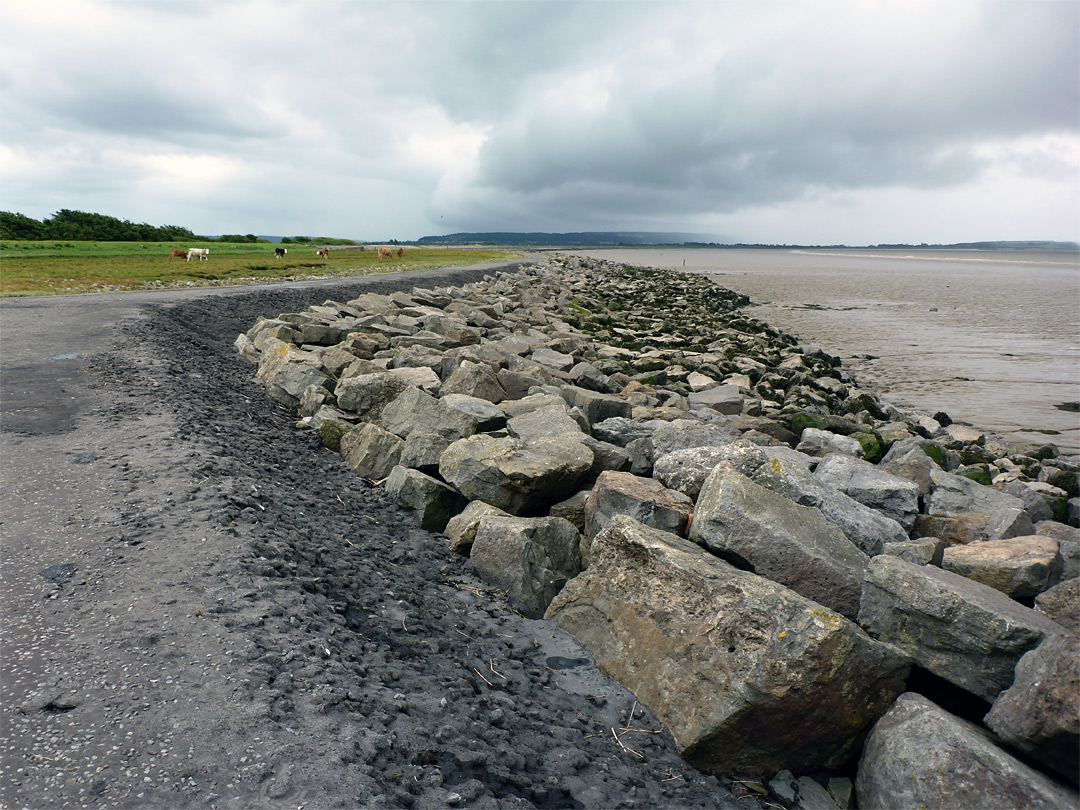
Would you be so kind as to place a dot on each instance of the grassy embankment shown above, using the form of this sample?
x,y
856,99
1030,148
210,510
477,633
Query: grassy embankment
x,y
68,267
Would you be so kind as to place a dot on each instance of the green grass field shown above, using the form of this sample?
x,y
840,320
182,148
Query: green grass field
x,y
65,268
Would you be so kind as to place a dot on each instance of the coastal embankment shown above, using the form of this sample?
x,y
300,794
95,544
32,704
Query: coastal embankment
x,y
990,337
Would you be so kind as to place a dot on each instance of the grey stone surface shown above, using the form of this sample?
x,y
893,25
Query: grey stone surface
x,y
794,545
894,497
1020,567
749,677
433,501
963,631
919,755
1062,604
1040,713
414,410
645,500
530,558
368,394
956,495
460,531
816,442
371,451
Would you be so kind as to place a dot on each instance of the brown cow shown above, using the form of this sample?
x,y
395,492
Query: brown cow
x,y
384,253
323,252
400,252
178,254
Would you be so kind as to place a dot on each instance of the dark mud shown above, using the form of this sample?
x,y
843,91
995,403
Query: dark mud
x,y
249,624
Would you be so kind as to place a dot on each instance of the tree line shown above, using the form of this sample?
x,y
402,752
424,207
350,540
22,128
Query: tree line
x,y
82,226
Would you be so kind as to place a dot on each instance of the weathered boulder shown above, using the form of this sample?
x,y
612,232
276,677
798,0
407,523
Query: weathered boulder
x,y
423,450
867,528
919,755
1068,539
371,451
918,550
725,399
957,495
475,380
1020,567
460,531
1062,604
891,495
367,395
597,406
645,500
680,434
686,470
413,410
816,442
772,536
749,677
621,431
515,475
422,377
963,631
432,500
489,417
1040,713
550,420
287,371
530,558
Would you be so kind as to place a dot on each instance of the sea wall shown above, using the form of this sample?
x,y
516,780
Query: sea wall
x,y
770,557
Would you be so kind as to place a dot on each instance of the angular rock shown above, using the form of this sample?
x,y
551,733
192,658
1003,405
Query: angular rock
x,y
573,510
956,495
597,406
867,528
488,416
1068,544
423,450
1062,604
681,434
515,475
422,377
551,420
460,531
530,558
645,500
371,451
368,394
891,495
772,536
1020,567
963,631
919,755
621,431
686,470
432,500
725,399
474,380
918,551
819,443
749,677
413,410
1040,713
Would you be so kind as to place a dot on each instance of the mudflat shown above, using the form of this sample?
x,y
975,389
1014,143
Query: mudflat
x,y
204,608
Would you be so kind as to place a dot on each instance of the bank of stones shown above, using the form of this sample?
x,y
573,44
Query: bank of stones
x,y
766,554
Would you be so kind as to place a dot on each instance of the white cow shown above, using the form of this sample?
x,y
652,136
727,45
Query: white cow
x,y
202,254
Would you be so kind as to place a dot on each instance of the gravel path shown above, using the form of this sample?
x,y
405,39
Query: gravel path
x,y
204,608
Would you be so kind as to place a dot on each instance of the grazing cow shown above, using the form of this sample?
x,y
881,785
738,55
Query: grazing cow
x,y
323,252
202,254
177,254
384,253
400,252
279,253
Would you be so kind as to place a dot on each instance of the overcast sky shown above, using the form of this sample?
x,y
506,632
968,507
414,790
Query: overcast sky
x,y
797,122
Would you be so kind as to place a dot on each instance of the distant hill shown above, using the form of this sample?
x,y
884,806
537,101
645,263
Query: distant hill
x,y
651,239
581,239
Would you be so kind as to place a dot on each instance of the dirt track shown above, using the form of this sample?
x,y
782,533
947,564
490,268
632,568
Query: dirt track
x,y
203,608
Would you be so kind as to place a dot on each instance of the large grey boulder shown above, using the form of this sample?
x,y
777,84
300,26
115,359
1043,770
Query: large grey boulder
x,y
961,630
530,558
423,450
371,451
432,500
413,410
621,431
1040,713
1068,539
367,395
488,416
919,755
515,475
686,470
680,434
550,420
645,500
867,528
891,495
1021,567
725,399
287,371
816,442
772,536
749,677
597,406
460,531
957,495
474,380
1062,604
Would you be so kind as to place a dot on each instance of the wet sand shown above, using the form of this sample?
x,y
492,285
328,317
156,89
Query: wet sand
x,y
992,339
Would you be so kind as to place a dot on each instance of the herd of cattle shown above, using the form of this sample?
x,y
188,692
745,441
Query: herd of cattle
x,y
203,254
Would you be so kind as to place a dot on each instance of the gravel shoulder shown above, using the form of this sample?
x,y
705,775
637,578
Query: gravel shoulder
x,y
204,608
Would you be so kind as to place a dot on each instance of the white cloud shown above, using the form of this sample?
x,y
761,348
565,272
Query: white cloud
x,y
421,117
